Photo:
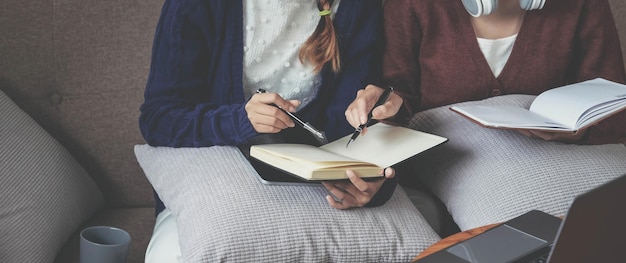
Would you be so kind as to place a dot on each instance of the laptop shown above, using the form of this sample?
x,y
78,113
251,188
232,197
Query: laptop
x,y
594,230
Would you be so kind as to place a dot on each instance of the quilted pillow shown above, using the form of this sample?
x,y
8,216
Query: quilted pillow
x,y
223,212
45,193
486,175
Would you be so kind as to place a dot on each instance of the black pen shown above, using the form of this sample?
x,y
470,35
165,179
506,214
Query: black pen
x,y
381,100
316,133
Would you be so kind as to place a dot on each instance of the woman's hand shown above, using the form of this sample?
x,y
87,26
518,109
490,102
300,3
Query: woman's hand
x,y
356,192
357,111
267,118
564,137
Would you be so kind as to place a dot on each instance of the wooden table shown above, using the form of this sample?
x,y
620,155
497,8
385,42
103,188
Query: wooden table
x,y
453,239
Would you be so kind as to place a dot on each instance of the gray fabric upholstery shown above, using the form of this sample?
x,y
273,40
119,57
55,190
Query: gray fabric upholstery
x,y
79,68
45,195
486,176
224,212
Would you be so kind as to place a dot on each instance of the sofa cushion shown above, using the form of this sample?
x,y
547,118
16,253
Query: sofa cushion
x,y
223,212
45,193
486,175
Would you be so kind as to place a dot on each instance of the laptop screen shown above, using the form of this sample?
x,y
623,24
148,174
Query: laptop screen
x,y
594,228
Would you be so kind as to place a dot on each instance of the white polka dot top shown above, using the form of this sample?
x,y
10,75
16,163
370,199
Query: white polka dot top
x,y
274,31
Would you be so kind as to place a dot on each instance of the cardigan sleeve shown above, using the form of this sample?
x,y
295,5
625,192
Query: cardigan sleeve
x,y
598,51
400,57
600,55
187,101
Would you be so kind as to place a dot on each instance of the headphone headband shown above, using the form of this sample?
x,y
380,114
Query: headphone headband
x,y
531,4
478,8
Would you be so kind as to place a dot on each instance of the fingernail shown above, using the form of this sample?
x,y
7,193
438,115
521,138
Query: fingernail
x,y
375,113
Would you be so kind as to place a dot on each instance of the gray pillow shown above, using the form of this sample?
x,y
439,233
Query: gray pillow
x,y
486,175
45,193
223,212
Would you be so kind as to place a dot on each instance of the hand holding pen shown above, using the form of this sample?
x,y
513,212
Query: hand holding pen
x,y
265,114
292,119
366,107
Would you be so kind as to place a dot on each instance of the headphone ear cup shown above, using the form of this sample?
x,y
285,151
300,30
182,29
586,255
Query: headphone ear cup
x,y
478,8
531,4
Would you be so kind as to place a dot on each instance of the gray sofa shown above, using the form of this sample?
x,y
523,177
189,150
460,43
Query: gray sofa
x,y
77,69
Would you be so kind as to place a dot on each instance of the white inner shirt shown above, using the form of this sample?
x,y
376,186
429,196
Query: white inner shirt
x,y
274,31
497,52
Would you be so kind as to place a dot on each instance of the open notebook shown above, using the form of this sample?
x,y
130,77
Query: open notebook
x,y
593,230
383,146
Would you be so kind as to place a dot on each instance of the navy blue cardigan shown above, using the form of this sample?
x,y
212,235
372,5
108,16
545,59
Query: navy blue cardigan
x,y
194,94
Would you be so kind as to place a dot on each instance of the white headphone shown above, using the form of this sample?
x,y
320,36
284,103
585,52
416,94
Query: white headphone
x,y
478,8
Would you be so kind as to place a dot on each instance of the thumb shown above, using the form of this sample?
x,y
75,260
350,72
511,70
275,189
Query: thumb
x,y
380,112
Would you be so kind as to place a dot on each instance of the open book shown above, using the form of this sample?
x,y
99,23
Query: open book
x,y
383,145
568,108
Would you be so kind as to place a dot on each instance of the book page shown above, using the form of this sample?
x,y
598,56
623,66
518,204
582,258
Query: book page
x,y
503,116
311,163
569,103
385,145
308,155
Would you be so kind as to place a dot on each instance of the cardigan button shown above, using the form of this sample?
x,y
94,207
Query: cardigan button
x,y
495,92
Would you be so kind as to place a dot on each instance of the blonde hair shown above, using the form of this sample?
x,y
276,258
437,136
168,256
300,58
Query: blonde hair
x,y
322,46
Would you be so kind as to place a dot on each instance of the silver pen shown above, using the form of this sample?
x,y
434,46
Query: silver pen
x,y
316,133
